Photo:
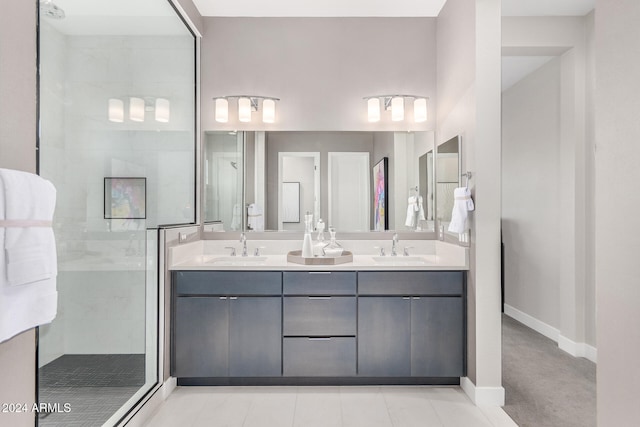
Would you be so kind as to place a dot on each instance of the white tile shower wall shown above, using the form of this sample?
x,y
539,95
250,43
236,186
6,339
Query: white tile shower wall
x,y
101,306
104,313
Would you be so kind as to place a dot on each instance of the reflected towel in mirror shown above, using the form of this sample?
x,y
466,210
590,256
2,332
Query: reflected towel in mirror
x,y
256,219
415,211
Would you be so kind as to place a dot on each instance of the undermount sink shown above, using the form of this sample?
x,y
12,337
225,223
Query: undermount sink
x,y
400,260
240,261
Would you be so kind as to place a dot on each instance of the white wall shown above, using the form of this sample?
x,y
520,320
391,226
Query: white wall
x,y
531,172
17,151
617,204
469,106
319,67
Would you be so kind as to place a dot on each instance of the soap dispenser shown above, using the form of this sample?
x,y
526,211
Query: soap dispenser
x,y
319,245
307,244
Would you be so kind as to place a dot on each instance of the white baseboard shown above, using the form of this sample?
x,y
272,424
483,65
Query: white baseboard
x,y
152,404
578,349
575,349
482,396
530,321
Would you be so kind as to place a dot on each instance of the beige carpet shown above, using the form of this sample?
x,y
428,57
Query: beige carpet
x,y
545,387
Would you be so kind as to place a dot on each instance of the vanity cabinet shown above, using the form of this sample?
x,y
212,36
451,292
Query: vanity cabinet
x,y
321,327
411,324
319,324
227,324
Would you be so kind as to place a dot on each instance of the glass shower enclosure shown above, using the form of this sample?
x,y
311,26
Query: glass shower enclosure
x,y
117,139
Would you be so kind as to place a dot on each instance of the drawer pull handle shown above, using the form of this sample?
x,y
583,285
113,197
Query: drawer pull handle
x,y
233,298
319,272
406,297
319,339
223,297
319,298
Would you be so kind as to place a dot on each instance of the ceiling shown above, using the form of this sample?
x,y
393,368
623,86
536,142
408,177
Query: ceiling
x,y
326,8
410,8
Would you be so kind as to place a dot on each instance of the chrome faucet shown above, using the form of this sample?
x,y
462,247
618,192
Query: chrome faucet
x,y
243,240
394,244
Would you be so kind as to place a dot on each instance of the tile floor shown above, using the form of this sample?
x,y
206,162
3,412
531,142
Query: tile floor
x,y
386,406
94,385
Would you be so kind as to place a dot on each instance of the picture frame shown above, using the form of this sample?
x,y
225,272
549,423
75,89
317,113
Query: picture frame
x,y
125,198
381,194
291,202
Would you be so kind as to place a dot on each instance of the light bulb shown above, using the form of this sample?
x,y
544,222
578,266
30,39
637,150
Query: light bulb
x,y
420,110
373,109
163,110
222,110
397,109
116,110
244,110
269,111
136,109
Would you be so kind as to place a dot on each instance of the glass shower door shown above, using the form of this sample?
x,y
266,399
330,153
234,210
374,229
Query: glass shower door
x,y
117,139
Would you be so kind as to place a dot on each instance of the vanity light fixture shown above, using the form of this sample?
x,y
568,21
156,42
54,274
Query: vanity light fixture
x,y
138,107
247,104
396,104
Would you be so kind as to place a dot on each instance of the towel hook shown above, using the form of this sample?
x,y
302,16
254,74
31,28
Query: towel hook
x,y
468,176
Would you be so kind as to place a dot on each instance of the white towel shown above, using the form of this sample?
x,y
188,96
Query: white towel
x,y
462,204
256,219
236,217
28,263
414,207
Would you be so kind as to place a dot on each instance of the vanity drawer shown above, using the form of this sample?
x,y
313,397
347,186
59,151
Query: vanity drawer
x,y
319,315
319,357
228,282
410,283
319,283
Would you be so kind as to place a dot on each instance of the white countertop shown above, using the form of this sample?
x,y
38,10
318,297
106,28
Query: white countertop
x,y
425,255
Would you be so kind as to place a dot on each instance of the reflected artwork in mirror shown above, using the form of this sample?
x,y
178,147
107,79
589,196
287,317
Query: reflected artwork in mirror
x,y
334,172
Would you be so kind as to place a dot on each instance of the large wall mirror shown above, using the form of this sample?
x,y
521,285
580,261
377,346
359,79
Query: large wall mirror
x,y
449,167
268,181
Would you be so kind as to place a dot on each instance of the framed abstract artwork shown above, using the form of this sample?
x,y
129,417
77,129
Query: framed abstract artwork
x,y
381,195
125,198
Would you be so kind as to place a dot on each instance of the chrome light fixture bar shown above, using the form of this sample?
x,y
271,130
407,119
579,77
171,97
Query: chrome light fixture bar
x,y
247,104
396,104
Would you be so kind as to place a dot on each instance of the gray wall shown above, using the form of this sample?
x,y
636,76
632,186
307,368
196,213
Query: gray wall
x,y
17,151
322,142
319,67
531,194
617,204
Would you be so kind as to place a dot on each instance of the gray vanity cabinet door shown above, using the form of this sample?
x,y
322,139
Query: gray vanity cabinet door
x,y
437,337
201,337
255,336
384,337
